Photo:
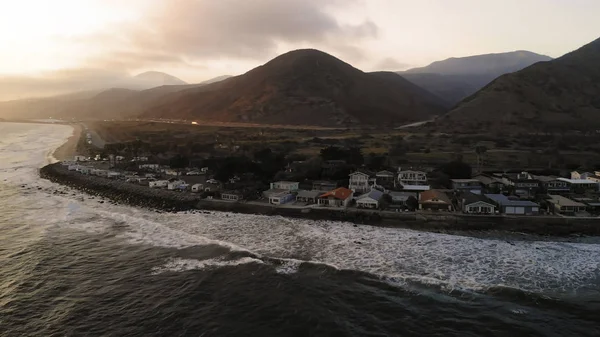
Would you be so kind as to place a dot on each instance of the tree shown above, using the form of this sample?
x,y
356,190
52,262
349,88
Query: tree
x,y
457,170
385,201
179,161
480,150
412,203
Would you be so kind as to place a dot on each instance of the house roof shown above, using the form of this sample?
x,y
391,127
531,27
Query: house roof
x,y
487,180
309,194
399,194
503,200
374,194
563,201
384,173
362,172
416,187
577,181
286,182
545,179
340,193
465,181
471,198
435,194
274,192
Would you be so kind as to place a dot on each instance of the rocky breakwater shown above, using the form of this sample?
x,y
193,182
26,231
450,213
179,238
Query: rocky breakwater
x,y
120,191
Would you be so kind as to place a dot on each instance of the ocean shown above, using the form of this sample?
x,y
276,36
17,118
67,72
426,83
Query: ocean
x,y
75,265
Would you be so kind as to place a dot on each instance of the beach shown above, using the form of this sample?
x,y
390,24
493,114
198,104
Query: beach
x,y
69,148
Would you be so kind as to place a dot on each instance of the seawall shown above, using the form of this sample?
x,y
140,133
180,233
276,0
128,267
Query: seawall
x,y
136,195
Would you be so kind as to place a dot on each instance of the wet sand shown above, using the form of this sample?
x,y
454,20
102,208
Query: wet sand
x,y
69,149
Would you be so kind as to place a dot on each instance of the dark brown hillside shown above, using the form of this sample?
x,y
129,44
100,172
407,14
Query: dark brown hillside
x,y
563,94
305,87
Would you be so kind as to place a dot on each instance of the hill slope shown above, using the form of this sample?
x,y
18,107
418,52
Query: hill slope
x,y
305,87
457,78
152,79
555,95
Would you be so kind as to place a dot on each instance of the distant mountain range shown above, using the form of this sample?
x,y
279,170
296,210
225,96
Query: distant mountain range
x,y
303,87
306,87
556,95
151,79
457,78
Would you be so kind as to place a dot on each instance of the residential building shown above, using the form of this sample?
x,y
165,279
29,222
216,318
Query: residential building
x,y
410,177
158,184
467,185
340,197
176,184
435,200
171,172
581,175
289,186
416,188
369,200
385,178
580,185
593,204
197,188
553,185
474,203
231,196
322,185
309,197
151,167
113,175
514,205
490,183
566,206
281,198
523,183
400,198
360,182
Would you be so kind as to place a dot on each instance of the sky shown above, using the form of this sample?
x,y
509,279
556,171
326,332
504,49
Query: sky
x,y
48,46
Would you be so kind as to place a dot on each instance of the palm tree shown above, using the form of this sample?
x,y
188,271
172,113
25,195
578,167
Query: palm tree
x,y
480,150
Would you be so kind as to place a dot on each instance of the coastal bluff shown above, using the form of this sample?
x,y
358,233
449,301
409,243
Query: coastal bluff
x,y
172,201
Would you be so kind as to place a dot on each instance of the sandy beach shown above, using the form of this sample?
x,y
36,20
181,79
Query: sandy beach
x,y
69,149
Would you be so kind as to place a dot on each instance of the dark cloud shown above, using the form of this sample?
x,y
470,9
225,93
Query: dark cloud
x,y
232,29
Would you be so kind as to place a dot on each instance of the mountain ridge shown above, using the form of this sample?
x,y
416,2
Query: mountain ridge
x,y
547,96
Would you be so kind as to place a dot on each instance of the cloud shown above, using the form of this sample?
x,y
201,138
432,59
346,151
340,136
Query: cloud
x,y
198,30
391,64
57,82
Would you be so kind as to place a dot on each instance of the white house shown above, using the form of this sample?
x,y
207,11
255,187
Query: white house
x,y
369,200
170,172
175,185
231,196
158,184
474,203
340,197
281,198
113,175
285,185
153,167
197,188
410,177
360,182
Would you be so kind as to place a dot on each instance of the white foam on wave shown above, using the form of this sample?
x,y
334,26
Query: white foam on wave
x,y
179,265
397,255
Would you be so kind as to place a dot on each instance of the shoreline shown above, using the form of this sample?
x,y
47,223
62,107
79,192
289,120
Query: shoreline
x,y
69,149
171,201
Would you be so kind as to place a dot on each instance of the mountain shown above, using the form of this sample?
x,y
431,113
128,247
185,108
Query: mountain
x,y
457,78
216,79
555,95
152,79
304,87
